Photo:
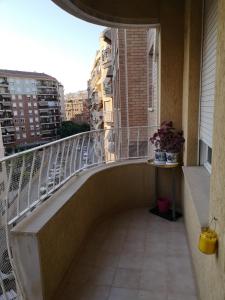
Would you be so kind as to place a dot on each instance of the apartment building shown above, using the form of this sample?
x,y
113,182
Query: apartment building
x,y
100,85
76,107
30,111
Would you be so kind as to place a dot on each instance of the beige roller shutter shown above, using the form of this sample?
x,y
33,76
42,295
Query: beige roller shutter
x,y
208,72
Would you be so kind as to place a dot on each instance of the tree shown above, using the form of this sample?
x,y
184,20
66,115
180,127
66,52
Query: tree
x,y
69,128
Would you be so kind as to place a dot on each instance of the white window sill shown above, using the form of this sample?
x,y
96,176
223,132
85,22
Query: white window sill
x,y
198,181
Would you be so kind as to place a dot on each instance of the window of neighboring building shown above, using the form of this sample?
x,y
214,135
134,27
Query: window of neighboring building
x,y
13,97
18,136
22,113
35,104
20,97
36,112
20,104
32,133
29,104
24,135
14,104
31,120
36,119
32,127
17,128
15,113
30,111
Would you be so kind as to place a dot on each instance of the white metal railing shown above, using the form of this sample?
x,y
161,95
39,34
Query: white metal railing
x,y
30,177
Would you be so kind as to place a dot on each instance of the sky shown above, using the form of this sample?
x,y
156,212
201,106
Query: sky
x,y
37,35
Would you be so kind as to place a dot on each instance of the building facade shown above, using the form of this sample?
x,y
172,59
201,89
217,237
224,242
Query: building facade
x,y
76,107
100,85
30,109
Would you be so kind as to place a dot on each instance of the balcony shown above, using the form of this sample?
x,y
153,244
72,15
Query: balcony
x,y
106,57
108,116
59,195
8,139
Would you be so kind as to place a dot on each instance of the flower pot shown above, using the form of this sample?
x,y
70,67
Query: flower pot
x,y
163,205
171,158
160,157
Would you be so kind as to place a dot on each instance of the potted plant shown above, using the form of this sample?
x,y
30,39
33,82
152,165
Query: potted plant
x,y
174,143
159,140
168,143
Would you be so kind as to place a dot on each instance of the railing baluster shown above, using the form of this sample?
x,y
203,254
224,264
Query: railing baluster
x,y
40,174
101,147
20,186
55,164
48,169
75,158
88,145
81,151
128,142
71,156
138,140
30,179
61,161
66,160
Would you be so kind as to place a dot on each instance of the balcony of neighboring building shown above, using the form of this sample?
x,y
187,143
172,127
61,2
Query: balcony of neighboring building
x,y
8,138
4,82
46,84
4,114
108,116
106,57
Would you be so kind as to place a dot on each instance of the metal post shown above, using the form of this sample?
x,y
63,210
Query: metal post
x,y
173,194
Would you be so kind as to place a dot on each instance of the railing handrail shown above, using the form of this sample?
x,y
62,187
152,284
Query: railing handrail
x,y
6,158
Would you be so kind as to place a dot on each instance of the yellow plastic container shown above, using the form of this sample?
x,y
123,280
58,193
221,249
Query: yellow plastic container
x,y
208,241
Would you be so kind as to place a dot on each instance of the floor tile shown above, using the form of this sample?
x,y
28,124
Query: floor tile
x,y
127,278
123,294
132,256
131,261
152,295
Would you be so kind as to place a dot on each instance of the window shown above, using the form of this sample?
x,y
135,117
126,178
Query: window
x,y
29,104
30,112
13,97
32,133
20,104
34,97
37,126
20,97
36,119
36,112
21,121
32,127
17,128
205,155
38,132
208,79
15,113
31,120
14,104
24,135
18,136
35,104
22,113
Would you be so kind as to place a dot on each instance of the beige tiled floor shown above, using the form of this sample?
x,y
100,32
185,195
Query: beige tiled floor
x,y
133,256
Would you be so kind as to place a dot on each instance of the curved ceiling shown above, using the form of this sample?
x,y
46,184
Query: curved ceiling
x,y
113,13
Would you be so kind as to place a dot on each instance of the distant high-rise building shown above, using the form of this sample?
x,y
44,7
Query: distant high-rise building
x,y
76,107
30,109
